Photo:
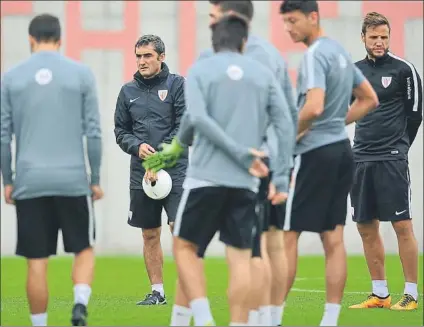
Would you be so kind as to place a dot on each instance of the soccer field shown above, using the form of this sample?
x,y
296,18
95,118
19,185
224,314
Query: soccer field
x,y
121,281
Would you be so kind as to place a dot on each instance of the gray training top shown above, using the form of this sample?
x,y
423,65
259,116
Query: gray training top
x,y
49,103
265,53
328,66
228,109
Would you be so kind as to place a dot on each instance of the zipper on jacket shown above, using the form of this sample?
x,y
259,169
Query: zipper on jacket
x,y
147,107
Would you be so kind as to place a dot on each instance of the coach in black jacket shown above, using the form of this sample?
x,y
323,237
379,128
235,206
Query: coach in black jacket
x,y
148,113
381,189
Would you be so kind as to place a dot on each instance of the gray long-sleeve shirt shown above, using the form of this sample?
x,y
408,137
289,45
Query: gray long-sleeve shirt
x,y
328,66
266,54
230,102
49,103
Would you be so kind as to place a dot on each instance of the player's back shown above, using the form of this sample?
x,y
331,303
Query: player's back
x,y
46,95
327,65
236,91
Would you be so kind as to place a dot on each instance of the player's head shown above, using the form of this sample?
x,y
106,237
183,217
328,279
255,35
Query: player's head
x,y
220,9
376,34
301,19
150,53
44,33
230,33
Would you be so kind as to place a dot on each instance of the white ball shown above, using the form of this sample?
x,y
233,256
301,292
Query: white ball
x,y
161,188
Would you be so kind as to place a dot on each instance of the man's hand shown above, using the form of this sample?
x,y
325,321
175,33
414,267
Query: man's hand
x,y
258,168
300,135
96,192
166,158
150,176
274,197
145,150
8,190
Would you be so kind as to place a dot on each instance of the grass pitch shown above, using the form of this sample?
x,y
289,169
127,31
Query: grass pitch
x,y
122,281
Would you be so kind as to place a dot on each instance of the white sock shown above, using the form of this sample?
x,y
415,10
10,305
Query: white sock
x,y
411,289
379,288
82,293
158,288
39,319
201,312
181,316
331,314
265,318
238,324
253,318
277,314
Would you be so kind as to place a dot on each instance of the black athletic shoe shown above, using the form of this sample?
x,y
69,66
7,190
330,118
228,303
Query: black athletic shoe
x,y
153,298
79,315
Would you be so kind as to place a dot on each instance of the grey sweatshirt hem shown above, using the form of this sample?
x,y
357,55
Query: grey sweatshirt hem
x,y
249,182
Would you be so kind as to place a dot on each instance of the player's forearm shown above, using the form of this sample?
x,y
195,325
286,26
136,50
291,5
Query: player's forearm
x,y
185,133
6,163
217,136
285,133
94,153
288,93
306,117
359,109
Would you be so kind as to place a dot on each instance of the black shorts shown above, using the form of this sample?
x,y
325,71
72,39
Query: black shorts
x,y
204,211
381,190
146,213
39,221
322,181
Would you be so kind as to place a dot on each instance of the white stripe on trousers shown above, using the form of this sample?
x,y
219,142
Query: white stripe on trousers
x,y
180,211
289,203
91,221
409,194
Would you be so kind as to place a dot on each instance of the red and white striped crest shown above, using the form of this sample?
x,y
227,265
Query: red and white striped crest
x,y
386,81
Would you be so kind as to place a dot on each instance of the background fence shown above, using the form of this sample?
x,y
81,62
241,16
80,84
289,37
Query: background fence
x,y
102,34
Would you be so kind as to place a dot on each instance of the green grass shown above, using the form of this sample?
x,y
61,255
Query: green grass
x,y
121,281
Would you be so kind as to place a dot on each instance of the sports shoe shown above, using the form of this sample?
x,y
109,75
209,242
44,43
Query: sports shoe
x,y
79,315
153,298
373,301
406,303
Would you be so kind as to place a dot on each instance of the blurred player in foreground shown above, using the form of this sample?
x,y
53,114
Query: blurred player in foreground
x,y
323,169
382,189
49,103
148,112
228,109
268,257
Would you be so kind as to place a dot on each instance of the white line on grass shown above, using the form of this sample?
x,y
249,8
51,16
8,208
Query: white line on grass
x,y
346,292
323,291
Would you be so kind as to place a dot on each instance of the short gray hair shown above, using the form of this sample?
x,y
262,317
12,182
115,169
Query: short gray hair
x,y
155,40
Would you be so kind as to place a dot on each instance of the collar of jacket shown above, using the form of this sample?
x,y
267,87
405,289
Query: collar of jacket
x,y
378,61
148,82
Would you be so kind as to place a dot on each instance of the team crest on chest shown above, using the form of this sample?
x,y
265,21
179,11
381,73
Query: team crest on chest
x,y
162,94
386,81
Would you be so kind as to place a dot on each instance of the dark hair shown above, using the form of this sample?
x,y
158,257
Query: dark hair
x,y
374,19
155,40
45,28
229,33
304,6
244,8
